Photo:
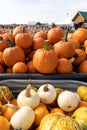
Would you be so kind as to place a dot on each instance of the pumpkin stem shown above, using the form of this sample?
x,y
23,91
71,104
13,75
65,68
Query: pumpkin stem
x,y
27,92
46,45
10,43
23,29
1,38
46,88
65,35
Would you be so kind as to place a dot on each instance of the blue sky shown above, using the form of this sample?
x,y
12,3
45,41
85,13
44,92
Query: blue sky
x,y
46,11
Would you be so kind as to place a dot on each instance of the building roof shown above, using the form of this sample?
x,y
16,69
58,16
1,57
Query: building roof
x,y
82,13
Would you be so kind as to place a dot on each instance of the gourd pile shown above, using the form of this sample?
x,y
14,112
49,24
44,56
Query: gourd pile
x,y
44,108
46,51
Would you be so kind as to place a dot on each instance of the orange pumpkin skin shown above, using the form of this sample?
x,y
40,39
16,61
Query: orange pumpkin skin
x,y
24,40
82,68
64,49
64,66
3,42
19,67
55,34
80,56
80,34
17,30
45,61
4,123
38,43
41,34
11,55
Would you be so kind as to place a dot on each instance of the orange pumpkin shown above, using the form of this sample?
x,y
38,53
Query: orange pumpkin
x,y
55,35
13,54
64,49
80,34
4,123
1,59
82,68
45,60
30,67
38,43
41,34
79,56
40,112
22,39
3,42
17,30
64,66
19,67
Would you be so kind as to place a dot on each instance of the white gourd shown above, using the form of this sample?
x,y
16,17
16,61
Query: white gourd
x,y
47,93
68,101
23,118
28,97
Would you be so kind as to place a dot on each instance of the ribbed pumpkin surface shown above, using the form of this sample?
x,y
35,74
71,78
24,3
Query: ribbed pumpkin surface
x,y
58,121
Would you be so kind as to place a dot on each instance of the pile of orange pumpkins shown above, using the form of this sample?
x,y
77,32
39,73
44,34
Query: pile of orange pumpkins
x,y
46,51
44,108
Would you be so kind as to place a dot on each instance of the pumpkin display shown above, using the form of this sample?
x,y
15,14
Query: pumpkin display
x,y
68,101
5,94
80,115
47,93
28,97
57,121
4,123
80,34
24,40
55,35
13,54
45,59
23,118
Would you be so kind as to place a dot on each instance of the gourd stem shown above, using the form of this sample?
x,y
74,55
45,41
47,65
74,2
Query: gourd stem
x,y
27,92
46,88
10,43
46,45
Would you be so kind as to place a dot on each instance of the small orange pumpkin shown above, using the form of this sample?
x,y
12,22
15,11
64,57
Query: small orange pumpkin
x,y
64,48
4,123
41,34
80,34
64,66
82,68
45,59
55,35
22,39
13,54
19,67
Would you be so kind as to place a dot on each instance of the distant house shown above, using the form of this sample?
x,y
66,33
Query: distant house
x,y
80,19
